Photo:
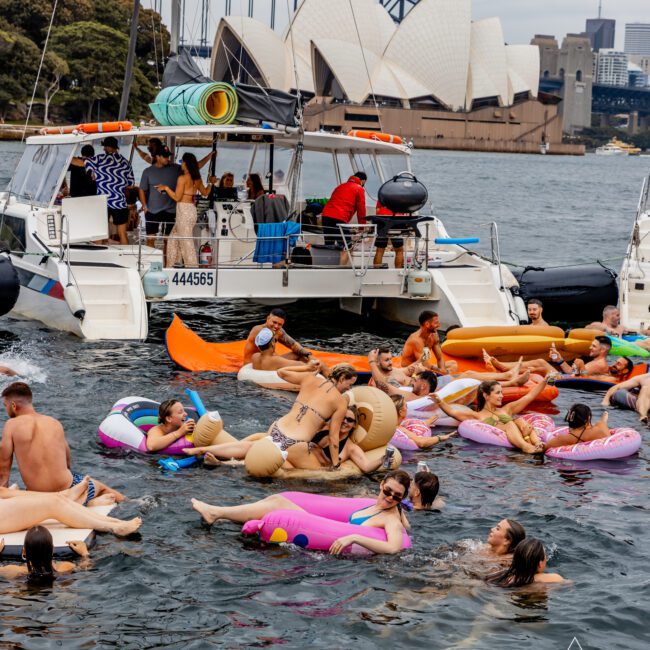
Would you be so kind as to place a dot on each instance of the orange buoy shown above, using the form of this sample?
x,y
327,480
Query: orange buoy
x,y
90,127
376,135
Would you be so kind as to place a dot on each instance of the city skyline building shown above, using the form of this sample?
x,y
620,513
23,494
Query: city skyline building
x,y
601,32
611,68
637,38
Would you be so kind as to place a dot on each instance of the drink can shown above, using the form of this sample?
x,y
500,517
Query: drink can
x,y
388,457
422,467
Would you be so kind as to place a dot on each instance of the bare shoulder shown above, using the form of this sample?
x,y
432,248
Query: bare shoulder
x,y
596,326
549,578
255,331
13,571
64,567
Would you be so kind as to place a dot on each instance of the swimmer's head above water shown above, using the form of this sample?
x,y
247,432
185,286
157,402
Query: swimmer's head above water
x,y
37,553
424,490
505,536
528,559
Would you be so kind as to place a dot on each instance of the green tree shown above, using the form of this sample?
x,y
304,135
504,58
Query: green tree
x,y
96,56
18,72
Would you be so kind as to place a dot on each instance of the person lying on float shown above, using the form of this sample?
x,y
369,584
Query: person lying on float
x,y
640,383
492,411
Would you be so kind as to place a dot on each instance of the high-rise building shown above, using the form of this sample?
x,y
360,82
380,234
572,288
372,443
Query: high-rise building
x,y
611,68
601,32
637,38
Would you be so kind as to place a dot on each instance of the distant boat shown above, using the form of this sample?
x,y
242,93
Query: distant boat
x,y
544,147
616,147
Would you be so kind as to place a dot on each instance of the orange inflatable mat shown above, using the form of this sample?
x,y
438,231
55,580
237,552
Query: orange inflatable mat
x,y
188,350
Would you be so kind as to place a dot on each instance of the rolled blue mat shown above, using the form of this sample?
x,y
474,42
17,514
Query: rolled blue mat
x,y
457,240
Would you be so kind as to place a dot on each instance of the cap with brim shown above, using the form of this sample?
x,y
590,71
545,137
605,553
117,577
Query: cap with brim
x,y
264,336
110,142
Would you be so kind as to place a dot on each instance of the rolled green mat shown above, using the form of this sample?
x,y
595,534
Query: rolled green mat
x,y
622,348
195,104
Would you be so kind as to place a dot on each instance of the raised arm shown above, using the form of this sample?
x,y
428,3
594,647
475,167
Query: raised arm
x,y
437,353
452,411
393,544
531,396
206,159
157,440
300,373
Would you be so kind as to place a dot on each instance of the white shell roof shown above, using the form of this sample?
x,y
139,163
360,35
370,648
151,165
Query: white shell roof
x,y
488,66
436,51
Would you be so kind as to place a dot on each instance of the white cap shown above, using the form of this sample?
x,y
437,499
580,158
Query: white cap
x,y
264,336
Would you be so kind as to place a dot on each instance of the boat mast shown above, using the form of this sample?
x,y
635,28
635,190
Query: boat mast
x,y
128,73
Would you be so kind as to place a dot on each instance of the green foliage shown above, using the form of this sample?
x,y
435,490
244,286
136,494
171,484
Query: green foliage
x,y
86,55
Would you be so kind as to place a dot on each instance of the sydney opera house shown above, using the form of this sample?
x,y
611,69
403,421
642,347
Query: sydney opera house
x,y
437,78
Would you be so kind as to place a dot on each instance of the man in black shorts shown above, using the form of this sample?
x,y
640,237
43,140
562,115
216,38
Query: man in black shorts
x,y
159,208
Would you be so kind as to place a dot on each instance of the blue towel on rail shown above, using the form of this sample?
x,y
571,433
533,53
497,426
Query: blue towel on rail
x,y
274,250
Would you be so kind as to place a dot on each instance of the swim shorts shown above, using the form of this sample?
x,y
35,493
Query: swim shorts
x,y
76,479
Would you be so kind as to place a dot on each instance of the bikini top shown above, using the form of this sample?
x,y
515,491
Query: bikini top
x,y
358,521
303,411
324,433
503,418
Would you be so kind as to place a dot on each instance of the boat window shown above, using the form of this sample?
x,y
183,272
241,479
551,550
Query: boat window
x,y
281,161
318,175
39,172
364,162
12,232
393,165
231,157
345,166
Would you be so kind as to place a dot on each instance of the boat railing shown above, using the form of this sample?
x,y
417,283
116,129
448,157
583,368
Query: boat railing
x,y
495,249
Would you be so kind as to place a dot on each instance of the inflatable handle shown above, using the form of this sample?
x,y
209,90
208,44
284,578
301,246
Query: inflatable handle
x,y
173,464
457,240
196,400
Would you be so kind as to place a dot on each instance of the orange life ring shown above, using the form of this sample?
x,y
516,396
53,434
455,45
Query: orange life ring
x,y
376,135
91,127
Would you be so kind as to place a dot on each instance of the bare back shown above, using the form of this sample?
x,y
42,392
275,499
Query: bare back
x,y
41,451
316,403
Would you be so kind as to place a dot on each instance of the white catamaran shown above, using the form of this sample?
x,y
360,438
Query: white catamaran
x,y
69,282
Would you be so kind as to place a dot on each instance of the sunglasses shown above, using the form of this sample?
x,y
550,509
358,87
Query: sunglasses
x,y
350,420
389,494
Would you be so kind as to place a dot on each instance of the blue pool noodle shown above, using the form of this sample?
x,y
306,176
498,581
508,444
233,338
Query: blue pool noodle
x,y
457,240
196,400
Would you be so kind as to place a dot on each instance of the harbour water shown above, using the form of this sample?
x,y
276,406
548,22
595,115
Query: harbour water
x,y
183,586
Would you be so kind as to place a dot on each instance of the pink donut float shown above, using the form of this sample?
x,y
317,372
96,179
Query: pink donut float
x,y
401,438
621,443
486,434
321,521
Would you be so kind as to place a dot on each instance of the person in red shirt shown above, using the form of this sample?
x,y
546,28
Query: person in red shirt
x,y
346,200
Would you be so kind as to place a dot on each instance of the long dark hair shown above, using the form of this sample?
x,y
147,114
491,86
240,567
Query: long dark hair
x,y
39,549
192,166
523,568
515,533
256,182
578,416
484,390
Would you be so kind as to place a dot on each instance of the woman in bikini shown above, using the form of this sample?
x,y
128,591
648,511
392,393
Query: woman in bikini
x,y
189,183
385,513
581,429
491,410
320,400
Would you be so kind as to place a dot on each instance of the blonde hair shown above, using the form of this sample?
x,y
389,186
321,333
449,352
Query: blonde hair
x,y
399,402
343,371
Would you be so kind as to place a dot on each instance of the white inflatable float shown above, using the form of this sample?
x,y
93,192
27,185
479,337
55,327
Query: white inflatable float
x,y
456,391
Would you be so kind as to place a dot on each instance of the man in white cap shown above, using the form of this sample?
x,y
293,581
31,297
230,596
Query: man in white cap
x,y
266,358
275,324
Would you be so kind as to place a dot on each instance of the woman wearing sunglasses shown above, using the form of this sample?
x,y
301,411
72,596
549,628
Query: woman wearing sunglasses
x,y
385,513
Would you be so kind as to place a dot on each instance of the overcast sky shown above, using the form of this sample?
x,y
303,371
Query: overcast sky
x,y
521,19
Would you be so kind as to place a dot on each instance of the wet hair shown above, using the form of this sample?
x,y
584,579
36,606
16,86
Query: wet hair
x,y
39,549
257,186
401,477
362,176
485,389
165,409
399,402
535,301
87,151
515,533
280,313
426,316
342,371
579,415
431,378
608,310
605,341
192,166
18,389
525,561
428,484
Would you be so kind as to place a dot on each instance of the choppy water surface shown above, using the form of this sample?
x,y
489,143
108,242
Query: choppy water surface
x,y
182,586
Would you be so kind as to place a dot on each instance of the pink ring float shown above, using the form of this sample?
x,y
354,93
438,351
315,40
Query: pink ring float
x,y
321,521
401,439
486,434
621,443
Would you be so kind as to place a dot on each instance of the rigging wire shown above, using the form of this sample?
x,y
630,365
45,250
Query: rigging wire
x,y
40,67
155,50
365,63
